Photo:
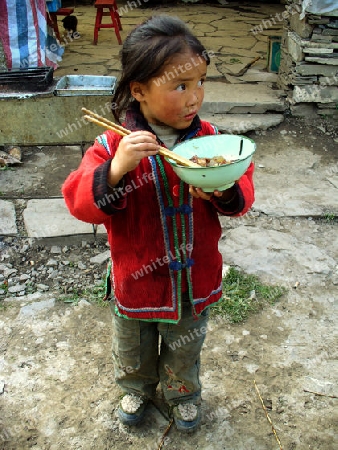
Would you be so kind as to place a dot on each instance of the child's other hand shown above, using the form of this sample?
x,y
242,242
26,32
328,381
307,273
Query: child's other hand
x,y
199,193
132,148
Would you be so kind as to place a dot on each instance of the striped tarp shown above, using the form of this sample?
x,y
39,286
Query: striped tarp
x,y
26,39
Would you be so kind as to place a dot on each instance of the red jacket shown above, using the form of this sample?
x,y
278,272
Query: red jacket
x,y
163,241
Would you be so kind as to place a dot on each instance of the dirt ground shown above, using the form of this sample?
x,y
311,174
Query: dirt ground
x,y
57,386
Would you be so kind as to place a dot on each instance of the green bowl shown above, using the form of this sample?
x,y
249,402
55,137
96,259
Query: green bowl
x,y
219,177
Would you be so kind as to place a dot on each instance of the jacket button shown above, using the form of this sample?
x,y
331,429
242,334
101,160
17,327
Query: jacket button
x,y
176,190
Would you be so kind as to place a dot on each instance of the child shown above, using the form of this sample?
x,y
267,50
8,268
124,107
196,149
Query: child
x,y
163,234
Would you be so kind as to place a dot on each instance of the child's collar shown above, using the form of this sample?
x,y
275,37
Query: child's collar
x,y
135,121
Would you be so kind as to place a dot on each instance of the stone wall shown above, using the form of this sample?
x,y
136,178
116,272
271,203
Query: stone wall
x,y
309,62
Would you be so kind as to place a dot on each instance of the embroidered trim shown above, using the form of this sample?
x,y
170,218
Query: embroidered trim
x,y
214,128
102,139
153,164
204,299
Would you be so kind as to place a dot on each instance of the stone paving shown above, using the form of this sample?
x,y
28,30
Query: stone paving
x,y
225,32
229,36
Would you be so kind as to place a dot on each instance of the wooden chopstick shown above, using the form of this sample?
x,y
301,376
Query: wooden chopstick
x,y
106,121
103,122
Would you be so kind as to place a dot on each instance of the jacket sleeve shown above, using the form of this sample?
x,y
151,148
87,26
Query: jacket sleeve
x,y
86,193
243,199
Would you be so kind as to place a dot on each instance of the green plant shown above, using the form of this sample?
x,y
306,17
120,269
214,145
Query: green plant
x,y
329,216
4,287
235,61
93,294
73,297
96,293
244,294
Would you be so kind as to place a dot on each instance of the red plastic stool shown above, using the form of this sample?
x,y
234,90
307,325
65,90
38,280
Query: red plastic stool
x,y
54,20
111,5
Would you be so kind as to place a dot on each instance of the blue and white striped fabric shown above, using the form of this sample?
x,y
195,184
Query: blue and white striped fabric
x,y
25,36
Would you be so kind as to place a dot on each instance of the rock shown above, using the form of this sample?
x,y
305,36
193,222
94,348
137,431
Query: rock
x,y
42,287
52,262
8,272
7,219
83,303
24,277
8,159
34,308
17,288
16,153
55,249
242,123
100,258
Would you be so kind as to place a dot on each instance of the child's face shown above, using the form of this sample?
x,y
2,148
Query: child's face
x,y
175,96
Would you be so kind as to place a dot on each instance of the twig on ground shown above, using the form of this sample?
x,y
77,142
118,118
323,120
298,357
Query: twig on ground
x,y
165,433
318,393
267,416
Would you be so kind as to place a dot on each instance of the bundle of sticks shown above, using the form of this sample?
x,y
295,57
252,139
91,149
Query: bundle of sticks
x,y
103,122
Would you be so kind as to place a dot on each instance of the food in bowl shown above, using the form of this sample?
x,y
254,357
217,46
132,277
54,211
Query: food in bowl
x,y
210,162
236,149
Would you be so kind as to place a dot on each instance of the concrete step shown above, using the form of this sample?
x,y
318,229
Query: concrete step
x,y
222,98
242,123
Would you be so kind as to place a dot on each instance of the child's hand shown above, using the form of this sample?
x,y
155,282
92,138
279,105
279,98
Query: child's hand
x,y
199,193
132,148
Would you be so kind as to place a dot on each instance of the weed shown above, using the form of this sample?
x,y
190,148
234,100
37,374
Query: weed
x,y
329,216
96,293
235,61
244,294
4,287
93,294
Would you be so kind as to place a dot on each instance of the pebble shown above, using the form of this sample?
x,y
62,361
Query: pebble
x,y
55,249
52,262
54,274
24,277
42,287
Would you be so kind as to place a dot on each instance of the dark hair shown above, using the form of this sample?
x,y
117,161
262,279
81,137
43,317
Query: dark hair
x,y
147,48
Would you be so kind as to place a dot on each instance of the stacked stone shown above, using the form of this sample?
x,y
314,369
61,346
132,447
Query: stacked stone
x,y
309,63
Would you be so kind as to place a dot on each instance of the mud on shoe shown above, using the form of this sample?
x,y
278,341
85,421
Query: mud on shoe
x,y
187,416
131,409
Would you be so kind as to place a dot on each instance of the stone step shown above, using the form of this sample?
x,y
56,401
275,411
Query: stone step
x,y
242,123
222,98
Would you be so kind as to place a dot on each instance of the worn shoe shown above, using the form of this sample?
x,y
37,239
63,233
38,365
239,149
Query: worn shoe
x,y
131,409
187,416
